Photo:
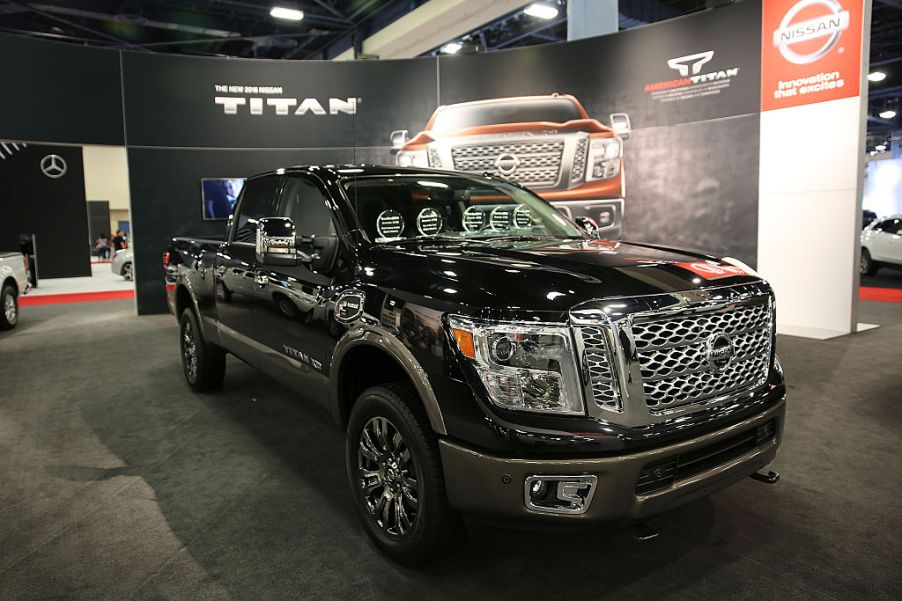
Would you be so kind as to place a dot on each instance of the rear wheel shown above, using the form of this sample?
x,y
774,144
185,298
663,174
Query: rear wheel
x,y
395,474
867,265
127,272
9,308
203,364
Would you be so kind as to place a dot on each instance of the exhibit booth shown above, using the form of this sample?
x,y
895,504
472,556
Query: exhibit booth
x,y
742,135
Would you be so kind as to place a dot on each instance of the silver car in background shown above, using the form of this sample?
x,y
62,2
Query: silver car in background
x,y
13,282
123,263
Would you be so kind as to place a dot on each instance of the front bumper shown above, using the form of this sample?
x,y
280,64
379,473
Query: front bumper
x,y
493,486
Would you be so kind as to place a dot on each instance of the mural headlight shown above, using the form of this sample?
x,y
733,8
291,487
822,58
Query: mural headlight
x,y
604,158
412,158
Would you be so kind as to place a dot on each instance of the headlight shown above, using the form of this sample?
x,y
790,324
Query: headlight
x,y
524,367
604,158
412,158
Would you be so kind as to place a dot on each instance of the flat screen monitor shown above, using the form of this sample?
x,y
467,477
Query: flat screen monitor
x,y
218,196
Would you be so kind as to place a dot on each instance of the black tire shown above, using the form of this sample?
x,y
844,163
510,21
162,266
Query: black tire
x,y
435,525
126,272
867,266
203,364
9,308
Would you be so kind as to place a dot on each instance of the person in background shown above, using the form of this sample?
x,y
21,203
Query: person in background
x,y
102,247
119,242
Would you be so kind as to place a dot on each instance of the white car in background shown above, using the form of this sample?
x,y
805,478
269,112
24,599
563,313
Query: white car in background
x,y
13,282
881,244
123,263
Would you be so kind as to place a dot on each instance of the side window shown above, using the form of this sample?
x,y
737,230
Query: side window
x,y
256,202
305,204
890,226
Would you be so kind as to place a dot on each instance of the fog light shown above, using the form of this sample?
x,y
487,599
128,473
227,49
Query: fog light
x,y
559,494
765,433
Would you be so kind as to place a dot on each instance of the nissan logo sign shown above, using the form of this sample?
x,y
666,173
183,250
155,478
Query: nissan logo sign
x,y
828,26
507,163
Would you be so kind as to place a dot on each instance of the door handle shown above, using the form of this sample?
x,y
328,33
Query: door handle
x,y
261,279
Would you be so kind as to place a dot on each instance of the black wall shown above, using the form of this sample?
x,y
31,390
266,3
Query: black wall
x,y
54,209
54,92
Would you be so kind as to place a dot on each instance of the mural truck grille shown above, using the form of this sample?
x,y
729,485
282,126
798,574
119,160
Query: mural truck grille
x,y
538,163
673,354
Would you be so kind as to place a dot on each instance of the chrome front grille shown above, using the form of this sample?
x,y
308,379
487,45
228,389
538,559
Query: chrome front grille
x,y
598,366
645,359
673,354
538,163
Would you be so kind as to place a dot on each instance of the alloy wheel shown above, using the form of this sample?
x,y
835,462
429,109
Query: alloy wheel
x,y
387,477
864,265
189,350
10,310
127,271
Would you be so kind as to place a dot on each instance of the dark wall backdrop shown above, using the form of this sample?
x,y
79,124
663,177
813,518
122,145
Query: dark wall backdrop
x,y
53,92
691,167
54,209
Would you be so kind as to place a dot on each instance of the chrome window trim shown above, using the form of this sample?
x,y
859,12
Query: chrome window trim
x,y
616,316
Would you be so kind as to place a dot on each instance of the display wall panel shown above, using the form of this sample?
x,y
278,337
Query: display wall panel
x,y
178,101
630,71
52,208
55,92
705,197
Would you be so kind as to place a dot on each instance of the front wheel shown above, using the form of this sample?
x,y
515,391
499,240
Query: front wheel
x,y
203,364
9,308
127,272
395,474
867,265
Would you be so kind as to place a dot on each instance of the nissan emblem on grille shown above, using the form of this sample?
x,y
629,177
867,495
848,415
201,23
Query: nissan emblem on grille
x,y
506,163
720,352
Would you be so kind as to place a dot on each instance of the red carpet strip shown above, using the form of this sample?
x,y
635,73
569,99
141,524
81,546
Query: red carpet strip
x,y
75,297
883,295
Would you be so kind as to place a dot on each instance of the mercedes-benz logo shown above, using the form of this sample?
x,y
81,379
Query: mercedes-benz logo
x,y
720,352
53,166
507,163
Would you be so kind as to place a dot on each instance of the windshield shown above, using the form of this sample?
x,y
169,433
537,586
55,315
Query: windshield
x,y
411,207
525,110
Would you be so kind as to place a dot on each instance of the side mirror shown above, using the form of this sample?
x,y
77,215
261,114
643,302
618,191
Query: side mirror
x,y
588,225
276,242
398,139
620,123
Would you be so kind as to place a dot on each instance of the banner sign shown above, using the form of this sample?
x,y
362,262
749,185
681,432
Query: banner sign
x,y
810,51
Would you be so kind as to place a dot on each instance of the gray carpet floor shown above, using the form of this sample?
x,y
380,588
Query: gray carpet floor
x,y
117,482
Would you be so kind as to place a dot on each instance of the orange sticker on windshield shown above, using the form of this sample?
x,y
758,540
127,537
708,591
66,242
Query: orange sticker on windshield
x,y
711,271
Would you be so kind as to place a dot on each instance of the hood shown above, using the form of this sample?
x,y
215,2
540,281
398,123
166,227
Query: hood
x,y
506,279
542,127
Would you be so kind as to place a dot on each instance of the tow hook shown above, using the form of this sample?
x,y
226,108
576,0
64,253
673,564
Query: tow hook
x,y
643,532
770,477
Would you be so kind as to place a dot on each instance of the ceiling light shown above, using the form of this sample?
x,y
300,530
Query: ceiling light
x,y
451,48
876,76
887,114
289,14
541,11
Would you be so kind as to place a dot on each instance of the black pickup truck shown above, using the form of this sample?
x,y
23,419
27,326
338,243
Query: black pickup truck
x,y
484,354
